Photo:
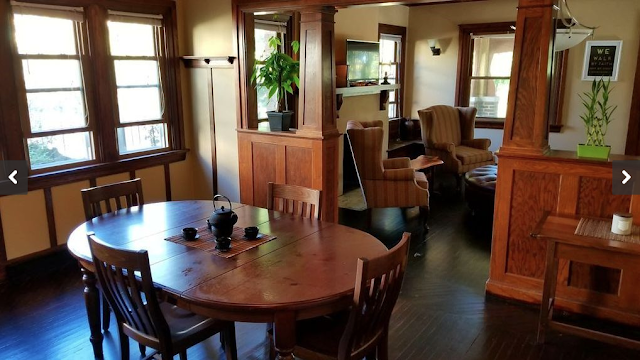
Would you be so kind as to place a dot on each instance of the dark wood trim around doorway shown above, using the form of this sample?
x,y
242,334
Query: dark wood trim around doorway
x,y
633,133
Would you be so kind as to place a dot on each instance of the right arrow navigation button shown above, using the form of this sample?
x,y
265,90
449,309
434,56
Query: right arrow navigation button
x,y
627,177
624,174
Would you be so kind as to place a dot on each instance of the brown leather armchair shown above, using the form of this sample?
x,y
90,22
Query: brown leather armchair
x,y
384,183
447,132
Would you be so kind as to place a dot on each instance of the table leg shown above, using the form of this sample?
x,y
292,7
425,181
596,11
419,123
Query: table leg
x,y
285,335
548,291
92,303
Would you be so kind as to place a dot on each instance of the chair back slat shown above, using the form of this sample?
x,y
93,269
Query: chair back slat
x,y
112,194
296,200
378,284
125,278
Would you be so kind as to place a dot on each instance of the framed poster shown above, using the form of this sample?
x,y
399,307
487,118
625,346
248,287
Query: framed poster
x,y
602,60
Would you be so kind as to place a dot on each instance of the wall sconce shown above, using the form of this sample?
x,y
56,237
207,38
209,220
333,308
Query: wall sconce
x,y
433,44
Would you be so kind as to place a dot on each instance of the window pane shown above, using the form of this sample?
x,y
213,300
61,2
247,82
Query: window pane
x,y
44,35
139,104
264,103
492,56
129,39
392,111
262,43
388,50
56,110
60,149
142,138
136,72
51,74
490,97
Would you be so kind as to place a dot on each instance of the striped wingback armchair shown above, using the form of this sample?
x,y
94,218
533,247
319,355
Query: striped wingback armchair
x,y
384,183
447,132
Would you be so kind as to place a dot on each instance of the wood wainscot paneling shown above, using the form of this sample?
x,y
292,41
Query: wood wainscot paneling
x,y
529,186
286,158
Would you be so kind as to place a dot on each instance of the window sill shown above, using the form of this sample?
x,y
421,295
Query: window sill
x,y
82,173
498,124
486,123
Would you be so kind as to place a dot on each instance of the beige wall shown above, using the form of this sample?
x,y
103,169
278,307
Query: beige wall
x,y
432,80
361,23
208,31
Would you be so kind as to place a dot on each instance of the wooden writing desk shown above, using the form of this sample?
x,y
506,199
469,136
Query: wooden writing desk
x,y
562,243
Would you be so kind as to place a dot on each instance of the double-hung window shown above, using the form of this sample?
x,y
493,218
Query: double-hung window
x,y
94,84
390,58
56,119
484,74
392,49
136,45
491,74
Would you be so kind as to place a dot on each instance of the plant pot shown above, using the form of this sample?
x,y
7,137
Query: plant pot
x,y
279,121
594,152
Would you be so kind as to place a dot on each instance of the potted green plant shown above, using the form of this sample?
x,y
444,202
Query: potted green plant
x,y
597,117
278,73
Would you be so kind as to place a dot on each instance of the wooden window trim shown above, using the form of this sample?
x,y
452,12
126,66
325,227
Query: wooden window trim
x,y
463,80
107,160
402,32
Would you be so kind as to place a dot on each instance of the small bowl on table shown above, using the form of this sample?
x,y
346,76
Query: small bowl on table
x,y
251,232
223,244
190,233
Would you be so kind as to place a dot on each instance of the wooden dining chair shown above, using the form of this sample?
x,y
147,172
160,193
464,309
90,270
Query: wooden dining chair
x,y
111,194
363,330
92,200
125,277
292,199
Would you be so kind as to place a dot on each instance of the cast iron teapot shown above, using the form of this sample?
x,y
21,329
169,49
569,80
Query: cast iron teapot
x,y
222,220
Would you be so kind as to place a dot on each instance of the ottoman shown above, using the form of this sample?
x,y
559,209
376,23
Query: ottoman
x,y
480,189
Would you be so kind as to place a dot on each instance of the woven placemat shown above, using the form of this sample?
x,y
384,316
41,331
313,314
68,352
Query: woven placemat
x,y
206,242
602,229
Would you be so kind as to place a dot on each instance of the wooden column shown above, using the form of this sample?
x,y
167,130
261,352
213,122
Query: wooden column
x,y
317,108
526,126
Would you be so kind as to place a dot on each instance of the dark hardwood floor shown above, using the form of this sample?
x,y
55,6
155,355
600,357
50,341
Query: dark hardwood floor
x,y
442,312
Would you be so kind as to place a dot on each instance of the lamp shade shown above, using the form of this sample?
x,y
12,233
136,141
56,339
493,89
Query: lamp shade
x,y
568,38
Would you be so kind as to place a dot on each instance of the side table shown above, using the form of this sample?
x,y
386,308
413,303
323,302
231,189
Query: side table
x,y
427,164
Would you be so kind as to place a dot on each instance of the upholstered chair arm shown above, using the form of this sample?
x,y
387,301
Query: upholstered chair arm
x,y
448,147
396,163
399,174
482,144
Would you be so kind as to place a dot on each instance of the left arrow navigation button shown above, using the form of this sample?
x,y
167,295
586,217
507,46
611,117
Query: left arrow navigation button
x,y
12,177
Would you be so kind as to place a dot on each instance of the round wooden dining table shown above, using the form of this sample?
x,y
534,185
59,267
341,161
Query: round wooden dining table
x,y
309,270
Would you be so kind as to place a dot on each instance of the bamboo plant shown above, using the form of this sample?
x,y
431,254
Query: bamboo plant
x,y
598,114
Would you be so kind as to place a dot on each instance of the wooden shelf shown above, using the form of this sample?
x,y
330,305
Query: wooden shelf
x,y
383,90
365,90
211,62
